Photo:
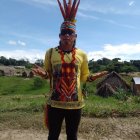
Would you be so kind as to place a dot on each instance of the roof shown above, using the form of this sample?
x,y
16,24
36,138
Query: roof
x,y
112,74
136,80
105,90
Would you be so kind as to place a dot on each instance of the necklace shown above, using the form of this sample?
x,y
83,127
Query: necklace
x,y
62,53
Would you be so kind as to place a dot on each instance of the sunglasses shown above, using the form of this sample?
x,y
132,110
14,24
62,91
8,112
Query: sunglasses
x,y
69,32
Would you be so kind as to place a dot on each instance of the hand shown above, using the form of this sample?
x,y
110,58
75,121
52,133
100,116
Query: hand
x,y
103,73
39,71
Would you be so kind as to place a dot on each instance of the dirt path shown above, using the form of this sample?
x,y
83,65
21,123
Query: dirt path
x,y
90,129
27,135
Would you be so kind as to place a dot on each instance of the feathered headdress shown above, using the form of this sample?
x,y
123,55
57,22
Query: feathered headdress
x,y
69,11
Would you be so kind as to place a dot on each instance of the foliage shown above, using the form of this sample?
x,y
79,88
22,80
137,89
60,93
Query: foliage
x,y
114,65
95,66
121,94
137,99
38,83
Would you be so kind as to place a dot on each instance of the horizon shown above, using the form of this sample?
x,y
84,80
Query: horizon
x,y
32,62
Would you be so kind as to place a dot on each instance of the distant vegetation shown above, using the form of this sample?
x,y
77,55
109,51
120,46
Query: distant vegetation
x,y
94,66
114,65
21,62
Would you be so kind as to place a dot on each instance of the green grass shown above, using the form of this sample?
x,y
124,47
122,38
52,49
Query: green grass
x,y
20,86
24,103
19,95
106,107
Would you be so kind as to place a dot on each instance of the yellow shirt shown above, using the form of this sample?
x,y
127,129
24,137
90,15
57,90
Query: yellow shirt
x,y
68,70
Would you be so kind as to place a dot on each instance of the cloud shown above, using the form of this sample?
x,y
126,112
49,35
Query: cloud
x,y
15,43
126,52
87,16
12,42
21,43
131,3
118,7
31,55
105,20
123,51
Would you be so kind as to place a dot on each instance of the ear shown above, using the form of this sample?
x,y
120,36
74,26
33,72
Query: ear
x,y
75,36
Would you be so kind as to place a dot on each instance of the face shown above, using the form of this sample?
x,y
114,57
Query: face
x,y
67,37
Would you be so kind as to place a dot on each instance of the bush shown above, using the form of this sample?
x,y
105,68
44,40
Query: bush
x,y
121,94
38,83
137,99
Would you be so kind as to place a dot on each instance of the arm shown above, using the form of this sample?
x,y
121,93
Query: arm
x,y
44,73
40,71
95,76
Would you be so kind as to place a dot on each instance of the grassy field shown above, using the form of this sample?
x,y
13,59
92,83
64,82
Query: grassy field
x,y
21,95
21,109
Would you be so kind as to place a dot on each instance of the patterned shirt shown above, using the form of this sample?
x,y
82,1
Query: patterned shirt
x,y
67,71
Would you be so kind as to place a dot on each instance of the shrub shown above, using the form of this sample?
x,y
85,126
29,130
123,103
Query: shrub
x,y
38,83
137,99
121,94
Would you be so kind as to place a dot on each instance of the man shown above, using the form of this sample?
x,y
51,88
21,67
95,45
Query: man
x,y
67,67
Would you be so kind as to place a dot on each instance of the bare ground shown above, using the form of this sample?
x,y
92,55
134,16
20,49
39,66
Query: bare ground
x,y
90,129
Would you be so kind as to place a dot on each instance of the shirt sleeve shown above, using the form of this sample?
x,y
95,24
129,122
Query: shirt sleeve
x,y
84,69
47,61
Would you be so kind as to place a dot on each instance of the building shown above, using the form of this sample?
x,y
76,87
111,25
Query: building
x,y
135,86
7,71
110,84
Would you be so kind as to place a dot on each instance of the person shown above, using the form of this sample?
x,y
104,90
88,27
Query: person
x,y
67,67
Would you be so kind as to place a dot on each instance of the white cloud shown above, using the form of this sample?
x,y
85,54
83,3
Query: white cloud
x,y
31,55
12,42
118,7
105,20
87,16
131,3
16,43
123,51
21,43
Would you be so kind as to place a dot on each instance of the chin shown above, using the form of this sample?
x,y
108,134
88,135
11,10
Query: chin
x,y
67,43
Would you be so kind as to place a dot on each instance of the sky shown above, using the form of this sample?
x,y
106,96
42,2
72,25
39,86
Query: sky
x,y
105,28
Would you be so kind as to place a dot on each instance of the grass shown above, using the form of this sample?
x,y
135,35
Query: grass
x,y
19,95
20,86
21,104
110,107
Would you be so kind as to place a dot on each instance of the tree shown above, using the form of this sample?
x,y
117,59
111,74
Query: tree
x,y
39,62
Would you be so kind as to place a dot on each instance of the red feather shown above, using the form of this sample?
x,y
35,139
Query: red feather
x,y
65,8
72,10
62,10
75,10
69,8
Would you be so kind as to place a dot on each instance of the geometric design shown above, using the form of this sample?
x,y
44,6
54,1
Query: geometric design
x,y
66,82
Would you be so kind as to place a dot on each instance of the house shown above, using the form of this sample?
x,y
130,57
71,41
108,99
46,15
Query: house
x,y
135,85
1,72
111,83
7,70
105,90
27,74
